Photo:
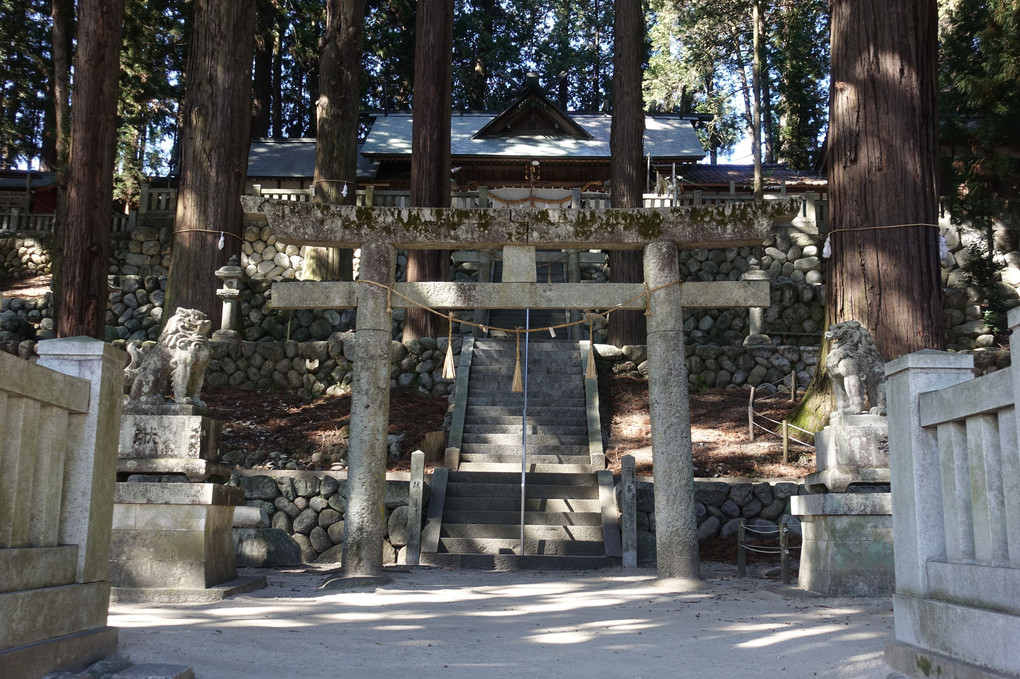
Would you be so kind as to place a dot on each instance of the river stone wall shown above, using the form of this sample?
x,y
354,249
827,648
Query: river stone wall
x,y
25,255
794,317
719,507
310,507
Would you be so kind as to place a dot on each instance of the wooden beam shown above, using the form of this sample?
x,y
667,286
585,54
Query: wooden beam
x,y
335,295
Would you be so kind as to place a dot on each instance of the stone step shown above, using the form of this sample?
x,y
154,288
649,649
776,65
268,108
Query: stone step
x,y
483,345
511,399
516,466
553,428
531,546
577,480
467,518
531,504
508,530
487,490
500,416
514,450
474,454
517,562
514,438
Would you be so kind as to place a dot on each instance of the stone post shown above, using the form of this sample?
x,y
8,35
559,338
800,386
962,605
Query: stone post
x,y
414,502
914,463
370,412
484,276
90,467
676,533
756,321
574,276
628,511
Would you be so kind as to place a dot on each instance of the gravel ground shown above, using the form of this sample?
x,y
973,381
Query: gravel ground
x,y
610,623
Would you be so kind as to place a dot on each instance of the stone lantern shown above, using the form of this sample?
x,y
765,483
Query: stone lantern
x,y
230,293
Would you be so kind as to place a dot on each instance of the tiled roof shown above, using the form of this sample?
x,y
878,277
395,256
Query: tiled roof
x,y
293,158
666,137
743,175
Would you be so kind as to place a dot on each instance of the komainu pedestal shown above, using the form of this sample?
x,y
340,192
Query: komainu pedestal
x,y
852,450
846,521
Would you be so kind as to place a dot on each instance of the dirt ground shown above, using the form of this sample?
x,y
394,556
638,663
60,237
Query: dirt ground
x,y
314,435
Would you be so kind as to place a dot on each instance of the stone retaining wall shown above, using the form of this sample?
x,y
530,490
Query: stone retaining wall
x,y
712,366
25,255
791,257
310,507
720,506
320,368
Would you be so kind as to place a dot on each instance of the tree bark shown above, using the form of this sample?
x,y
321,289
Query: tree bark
x,y
626,149
62,31
214,152
262,76
883,147
90,180
430,147
336,147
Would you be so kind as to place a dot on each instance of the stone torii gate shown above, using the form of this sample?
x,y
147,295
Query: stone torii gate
x,y
380,231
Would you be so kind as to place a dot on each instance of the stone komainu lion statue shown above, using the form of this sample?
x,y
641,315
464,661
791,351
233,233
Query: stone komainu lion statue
x,y
856,368
178,359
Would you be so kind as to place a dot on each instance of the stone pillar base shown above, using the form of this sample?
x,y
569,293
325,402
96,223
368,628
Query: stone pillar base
x,y
847,547
68,653
172,539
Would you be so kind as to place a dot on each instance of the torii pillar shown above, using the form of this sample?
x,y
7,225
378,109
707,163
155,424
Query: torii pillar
x,y
676,530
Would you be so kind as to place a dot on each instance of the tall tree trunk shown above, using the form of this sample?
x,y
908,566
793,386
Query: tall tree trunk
x,y
62,31
336,147
90,179
883,147
756,85
262,75
277,98
430,147
214,152
626,149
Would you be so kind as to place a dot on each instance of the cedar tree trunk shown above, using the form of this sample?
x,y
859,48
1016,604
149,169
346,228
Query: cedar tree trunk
x,y
626,148
86,242
883,147
336,147
214,152
62,32
430,148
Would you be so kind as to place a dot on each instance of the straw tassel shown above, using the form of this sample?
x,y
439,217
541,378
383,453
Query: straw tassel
x,y
449,371
589,372
518,385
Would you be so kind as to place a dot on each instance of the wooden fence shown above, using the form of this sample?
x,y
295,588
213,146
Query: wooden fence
x,y
956,511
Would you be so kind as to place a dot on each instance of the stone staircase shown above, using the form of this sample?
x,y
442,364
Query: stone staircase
x,y
570,519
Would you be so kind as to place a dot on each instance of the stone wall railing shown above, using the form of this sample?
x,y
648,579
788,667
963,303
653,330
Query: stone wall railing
x,y
61,421
956,497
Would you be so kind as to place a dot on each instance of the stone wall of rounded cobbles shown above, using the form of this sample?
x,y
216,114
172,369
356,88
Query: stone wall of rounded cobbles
x,y
713,366
311,506
790,256
319,368
24,255
719,506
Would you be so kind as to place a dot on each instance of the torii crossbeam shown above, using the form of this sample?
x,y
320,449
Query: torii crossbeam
x,y
659,232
